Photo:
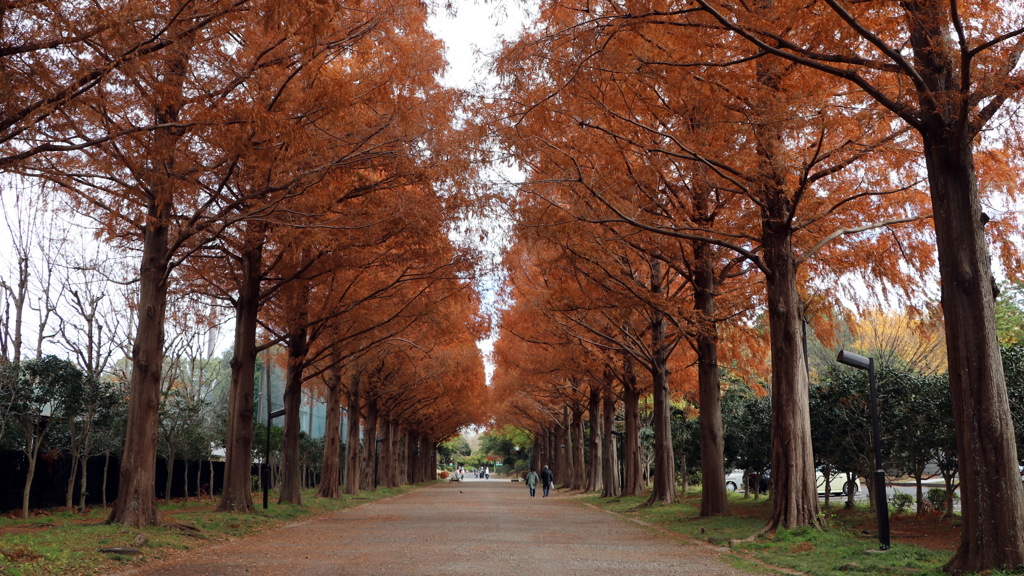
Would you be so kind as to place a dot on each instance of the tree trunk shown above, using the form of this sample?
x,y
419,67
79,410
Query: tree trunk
x,y
169,466
199,480
595,478
291,473
397,465
185,475
794,493
106,474
69,495
84,467
579,470
633,482
664,491
394,449
611,484
352,471
33,440
383,452
370,453
411,450
136,503
713,498
237,493
992,499
332,441
563,447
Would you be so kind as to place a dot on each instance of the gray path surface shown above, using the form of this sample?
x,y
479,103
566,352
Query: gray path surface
x,y
472,528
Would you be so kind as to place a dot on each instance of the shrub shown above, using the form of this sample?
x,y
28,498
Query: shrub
x,y
937,498
902,502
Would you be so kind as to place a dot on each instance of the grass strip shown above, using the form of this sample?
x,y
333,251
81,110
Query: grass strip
x,y
843,548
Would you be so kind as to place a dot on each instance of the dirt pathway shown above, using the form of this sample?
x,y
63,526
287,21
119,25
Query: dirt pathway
x,y
472,528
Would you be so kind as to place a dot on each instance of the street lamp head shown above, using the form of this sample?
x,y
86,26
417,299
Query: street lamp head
x,y
855,360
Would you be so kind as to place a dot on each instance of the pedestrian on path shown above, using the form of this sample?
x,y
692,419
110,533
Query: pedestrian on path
x,y
548,478
531,482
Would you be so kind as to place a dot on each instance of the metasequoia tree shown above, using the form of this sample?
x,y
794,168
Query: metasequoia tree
x,y
373,297
542,356
344,142
529,358
947,70
591,295
623,277
794,172
55,52
705,273
165,188
381,276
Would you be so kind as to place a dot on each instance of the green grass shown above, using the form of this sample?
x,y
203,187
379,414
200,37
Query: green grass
x,y
838,550
65,543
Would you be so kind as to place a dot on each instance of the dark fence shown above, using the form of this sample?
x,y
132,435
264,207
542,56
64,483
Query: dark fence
x,y
50,482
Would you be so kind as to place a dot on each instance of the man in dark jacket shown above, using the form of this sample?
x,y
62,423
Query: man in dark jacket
x,y
547,477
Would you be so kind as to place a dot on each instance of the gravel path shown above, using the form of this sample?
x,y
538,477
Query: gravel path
x,y
471,528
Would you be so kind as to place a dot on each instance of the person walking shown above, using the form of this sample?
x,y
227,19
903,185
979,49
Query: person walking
x,y
548,478
531,482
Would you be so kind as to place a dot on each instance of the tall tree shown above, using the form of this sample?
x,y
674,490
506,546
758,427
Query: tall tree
x,y
960,68
793,171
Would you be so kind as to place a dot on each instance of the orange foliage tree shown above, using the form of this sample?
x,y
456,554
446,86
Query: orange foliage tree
x,y
947,70
803,184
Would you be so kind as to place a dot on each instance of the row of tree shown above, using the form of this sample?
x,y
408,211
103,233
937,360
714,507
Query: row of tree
x,y
294,168
698,170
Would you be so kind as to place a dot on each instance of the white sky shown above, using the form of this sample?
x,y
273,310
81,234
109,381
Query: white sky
x,y
474,33
471,35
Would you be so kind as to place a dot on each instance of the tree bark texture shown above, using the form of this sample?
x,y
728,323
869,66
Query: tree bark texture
x,y
370,454
576,452
713,495
611,484
136,504
352,461
291,477
595,477
992,499
330,475
794,493
664,490
563,447
237,494
387,453
634,482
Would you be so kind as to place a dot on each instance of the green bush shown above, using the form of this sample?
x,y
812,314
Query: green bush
x,y
937,498
902,502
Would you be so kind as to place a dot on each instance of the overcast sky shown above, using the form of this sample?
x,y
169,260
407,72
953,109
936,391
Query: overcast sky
x,y
471,36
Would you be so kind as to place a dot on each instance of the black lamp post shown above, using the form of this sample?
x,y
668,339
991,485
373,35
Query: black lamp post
x,y
881,505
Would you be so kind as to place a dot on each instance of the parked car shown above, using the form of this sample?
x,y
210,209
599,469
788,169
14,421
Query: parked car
x,y
734,481
838,484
